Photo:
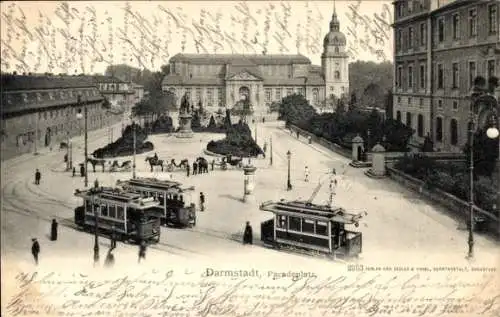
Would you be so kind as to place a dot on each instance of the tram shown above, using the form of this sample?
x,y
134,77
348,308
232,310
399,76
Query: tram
x,y
178,208
126,215
302,225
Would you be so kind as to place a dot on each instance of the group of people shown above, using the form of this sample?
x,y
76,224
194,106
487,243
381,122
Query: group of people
x,y
35,245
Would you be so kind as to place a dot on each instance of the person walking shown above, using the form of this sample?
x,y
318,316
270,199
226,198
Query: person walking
x,y
248,234
53,230
82,170
306,174
188,169
35,249
38,177
202,201
113,238
142,251
195,168
74,171
110,259
213,163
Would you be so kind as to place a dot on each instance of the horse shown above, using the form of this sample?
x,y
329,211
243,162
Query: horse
x,y
154,162
95,162
202,165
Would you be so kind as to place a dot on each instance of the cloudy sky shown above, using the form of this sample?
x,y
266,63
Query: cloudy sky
x,y
86,36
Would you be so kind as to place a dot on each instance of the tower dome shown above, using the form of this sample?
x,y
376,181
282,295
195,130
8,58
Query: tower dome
x,y
334,37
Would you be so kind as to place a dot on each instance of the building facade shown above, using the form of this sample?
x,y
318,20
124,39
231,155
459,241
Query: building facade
x,y
39,111
220,81
119,93
440,47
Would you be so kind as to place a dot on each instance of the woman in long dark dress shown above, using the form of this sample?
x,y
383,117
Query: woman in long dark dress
x,y
53,230
248,235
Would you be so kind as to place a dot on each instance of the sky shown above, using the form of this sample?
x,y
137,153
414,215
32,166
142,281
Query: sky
x,y
86,36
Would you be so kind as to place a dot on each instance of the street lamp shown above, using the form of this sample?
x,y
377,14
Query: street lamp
x,y
288,184
69,153
79,116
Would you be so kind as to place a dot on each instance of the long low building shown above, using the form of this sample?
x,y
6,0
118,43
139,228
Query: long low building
x,y
40,111
221,80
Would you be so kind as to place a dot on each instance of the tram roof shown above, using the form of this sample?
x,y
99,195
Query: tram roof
x,y
312,211
115,194
155,184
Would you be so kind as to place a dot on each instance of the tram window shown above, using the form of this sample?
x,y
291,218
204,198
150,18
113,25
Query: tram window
x,y
175,197
120,212
181,198
104,210
88,207
307,225
322,228
295,223
161,198
112,211
281,221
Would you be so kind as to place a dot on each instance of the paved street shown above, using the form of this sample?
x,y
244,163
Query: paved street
x,y
399,227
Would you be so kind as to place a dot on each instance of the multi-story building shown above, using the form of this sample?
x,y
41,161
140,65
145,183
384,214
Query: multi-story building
x,y
219,81
40,111
116,91
440,47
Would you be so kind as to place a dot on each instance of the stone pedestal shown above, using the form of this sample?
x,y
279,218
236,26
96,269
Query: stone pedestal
x,y
248,181
185,126
378,162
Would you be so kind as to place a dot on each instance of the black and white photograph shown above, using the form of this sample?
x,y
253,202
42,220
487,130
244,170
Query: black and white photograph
x,y
250,158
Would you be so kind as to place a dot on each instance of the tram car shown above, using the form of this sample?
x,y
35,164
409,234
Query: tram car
x,y
176,201
305,226
128,216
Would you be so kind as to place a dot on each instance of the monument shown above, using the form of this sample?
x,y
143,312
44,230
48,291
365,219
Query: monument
x,y
185,118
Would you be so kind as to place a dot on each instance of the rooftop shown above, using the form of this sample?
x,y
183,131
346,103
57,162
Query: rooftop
x,y
33,82
240,59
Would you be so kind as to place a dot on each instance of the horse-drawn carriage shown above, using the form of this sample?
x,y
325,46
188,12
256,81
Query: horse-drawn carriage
x,y
229,160
173,166
126,166
175,201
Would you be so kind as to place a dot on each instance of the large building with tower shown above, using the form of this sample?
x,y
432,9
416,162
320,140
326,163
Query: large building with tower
x,y
440,47
220,81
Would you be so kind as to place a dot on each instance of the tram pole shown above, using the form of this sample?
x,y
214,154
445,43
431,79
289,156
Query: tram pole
x,y
271,150
133,163
85,116
96,236
288,183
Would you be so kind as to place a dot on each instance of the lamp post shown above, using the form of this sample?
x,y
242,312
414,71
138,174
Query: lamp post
x,y
288,183
470,240
133,162
271,150
493,133
84,116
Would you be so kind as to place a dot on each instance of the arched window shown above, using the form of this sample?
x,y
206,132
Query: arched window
x,y
408,119
398,116
337,74
315,94
453,132
439,129
336,49
420,127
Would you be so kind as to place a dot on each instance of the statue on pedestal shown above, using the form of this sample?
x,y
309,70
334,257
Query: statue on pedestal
x,y
185,117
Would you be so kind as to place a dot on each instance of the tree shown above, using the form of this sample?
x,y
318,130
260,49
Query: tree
x,y
362,74
340,106
353,102
296,109
373,96
389,104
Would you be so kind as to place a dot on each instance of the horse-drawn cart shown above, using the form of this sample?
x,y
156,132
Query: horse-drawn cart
x,y
124,167
229,160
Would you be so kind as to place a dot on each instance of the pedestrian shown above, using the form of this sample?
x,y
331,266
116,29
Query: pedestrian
x,y
65,158
298,134
35,249
82,170
187,169
110,259
213,163
53,230
74,171
202,201
201,170
142,250
195,167
306,172
38,176
113,238
96,183
248,234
